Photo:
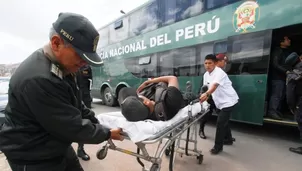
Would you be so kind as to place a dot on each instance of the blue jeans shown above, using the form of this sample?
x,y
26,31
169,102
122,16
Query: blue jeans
x,y
277,95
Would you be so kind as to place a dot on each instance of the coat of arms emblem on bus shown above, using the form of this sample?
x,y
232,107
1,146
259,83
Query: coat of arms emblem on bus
x,y
245,16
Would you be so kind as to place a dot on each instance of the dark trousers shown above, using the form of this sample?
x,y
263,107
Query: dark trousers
x,y
80,146
86,98
206,117
69,163
223,130
298,115
277,96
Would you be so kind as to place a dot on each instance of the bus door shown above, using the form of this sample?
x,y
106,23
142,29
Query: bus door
x,y
247,68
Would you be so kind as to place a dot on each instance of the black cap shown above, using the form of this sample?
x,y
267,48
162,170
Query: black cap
x,y
132,106
81,34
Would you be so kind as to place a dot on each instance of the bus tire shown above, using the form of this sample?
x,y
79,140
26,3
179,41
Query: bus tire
x,y
108,98
117,92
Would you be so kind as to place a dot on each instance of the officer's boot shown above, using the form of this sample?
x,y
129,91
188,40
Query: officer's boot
x,y
201,132
82,154
297,150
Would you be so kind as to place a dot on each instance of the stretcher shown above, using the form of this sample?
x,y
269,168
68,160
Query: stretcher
x,y
150,132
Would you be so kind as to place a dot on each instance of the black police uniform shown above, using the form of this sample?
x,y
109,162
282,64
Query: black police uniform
x,y
84,77
43,118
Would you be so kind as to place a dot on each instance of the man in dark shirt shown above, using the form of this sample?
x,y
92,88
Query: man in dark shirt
x,y
279,71
140,108
43,116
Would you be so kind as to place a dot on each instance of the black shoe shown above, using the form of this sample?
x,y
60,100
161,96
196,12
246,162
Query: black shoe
x,y
274,116
297,150
216,150
82,154
202,135
229,141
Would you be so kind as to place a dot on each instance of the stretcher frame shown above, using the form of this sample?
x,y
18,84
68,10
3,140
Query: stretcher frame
x,y
173,134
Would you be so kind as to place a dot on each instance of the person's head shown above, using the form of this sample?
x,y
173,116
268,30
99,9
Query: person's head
x,y
134,107
284,42
210,62
73,40
221,60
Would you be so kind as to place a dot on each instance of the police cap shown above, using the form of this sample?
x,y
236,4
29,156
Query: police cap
x,y
81,34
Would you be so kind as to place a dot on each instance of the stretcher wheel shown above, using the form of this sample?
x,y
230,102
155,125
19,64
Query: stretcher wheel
x,y
154,167
102,153
167,152
200,159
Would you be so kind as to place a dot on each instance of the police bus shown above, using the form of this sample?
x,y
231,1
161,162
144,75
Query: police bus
x,y
172,37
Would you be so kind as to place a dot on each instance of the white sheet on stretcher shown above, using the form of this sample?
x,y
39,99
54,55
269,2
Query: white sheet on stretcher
x,y
142,130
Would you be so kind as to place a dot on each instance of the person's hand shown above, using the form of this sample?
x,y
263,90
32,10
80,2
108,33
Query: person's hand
x,y
203,97
116,134
142,86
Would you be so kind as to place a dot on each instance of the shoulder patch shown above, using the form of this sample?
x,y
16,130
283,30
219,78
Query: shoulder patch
x,y
56,71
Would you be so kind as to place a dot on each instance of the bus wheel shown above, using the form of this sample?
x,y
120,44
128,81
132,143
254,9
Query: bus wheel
x,y
109,99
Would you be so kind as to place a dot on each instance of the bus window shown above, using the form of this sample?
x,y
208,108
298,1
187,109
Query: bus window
x,y
119,33
144,20
165,64
132,66
148,66
177,10
144,60
184,61
211,4
202,51
142,67
249,53
220,47
115,68
104,37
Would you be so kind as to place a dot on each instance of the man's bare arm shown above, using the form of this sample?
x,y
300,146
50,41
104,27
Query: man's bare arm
x,y
170,80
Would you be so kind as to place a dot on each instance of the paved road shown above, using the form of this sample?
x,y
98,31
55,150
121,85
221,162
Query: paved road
x,y
256,149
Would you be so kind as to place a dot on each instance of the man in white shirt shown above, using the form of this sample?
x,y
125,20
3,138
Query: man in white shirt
x,y
224,97
221,63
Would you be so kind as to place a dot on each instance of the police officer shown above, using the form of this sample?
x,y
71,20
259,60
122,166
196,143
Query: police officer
x,y
44,115
294,92
83,77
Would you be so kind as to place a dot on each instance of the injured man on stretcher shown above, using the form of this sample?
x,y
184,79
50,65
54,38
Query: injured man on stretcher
x,y
156,99
155,105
